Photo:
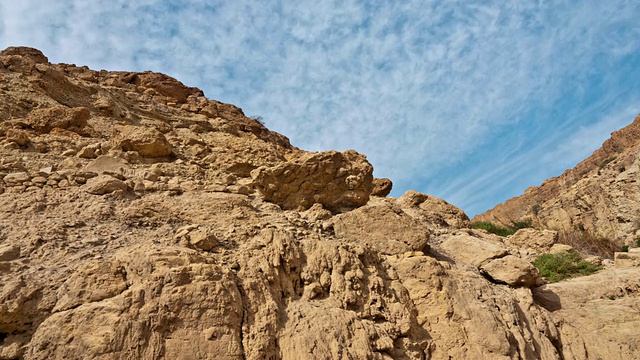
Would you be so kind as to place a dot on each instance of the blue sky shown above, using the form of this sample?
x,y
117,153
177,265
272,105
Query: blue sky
x,y
470,101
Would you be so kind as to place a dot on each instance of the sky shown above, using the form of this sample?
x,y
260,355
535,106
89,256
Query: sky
x,y
470,101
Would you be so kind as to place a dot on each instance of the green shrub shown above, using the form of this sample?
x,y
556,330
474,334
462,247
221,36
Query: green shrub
x,y
560,266
637,240
502,231
522,224
624,248
494,229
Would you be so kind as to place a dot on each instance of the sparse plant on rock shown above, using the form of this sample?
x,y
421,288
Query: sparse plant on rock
x,y
502,231
561,266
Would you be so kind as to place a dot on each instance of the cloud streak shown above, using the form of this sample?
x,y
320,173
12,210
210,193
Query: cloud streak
x,y
431,91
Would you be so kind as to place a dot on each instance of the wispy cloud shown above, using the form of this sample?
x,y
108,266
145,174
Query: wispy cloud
x,y
431,91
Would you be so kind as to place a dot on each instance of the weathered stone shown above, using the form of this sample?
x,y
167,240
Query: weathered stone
x,y
203,239
512,270
337,180
540,241
9,252
624,260
16,178
382,227
381,187
560,248
471,250
147,142
19,137
45,120
104,184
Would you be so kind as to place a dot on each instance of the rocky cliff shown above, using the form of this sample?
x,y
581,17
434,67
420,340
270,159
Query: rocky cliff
x,y
600,195
139,219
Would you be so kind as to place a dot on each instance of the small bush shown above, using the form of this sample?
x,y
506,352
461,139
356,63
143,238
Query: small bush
x,y
637,240
624,248
522,224
494,229
502,231
560,266
258,118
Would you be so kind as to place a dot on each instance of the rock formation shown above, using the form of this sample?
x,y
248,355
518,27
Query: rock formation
x,y
599,195
139,219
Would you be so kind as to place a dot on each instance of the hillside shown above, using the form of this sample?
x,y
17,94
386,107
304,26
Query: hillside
x,y
601,195
141,220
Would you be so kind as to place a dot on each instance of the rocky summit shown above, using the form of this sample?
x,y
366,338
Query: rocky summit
x,y
141,220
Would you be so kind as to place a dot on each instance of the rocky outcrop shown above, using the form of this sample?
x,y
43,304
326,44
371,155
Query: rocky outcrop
x,y
164,225
599,195
337,180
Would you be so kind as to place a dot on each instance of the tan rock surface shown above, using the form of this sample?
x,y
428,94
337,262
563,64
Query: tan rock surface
x,y
203,253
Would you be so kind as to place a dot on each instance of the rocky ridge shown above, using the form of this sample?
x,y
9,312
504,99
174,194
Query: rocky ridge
x,y
139,219
600,195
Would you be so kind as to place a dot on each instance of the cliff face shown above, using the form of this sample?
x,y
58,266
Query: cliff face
x,y
601,194
139,219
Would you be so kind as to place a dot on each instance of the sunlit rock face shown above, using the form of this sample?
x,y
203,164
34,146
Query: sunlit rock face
x,y
139,219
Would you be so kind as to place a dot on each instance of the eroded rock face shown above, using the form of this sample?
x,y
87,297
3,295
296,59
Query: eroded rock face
x,y
168,227
337,180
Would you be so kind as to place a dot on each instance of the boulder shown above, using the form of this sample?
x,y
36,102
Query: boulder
x,y
45,120
148,142
382,227
470,250
104,184
337,180
512,270
561,248
539,241
34,55
625,260
381,187
433,211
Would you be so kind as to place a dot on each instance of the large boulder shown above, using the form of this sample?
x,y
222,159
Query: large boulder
x,y
148,142
513,271
383,227
540,241
337,180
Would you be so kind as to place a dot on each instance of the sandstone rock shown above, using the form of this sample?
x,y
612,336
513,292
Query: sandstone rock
x,y
539,241
471,250
381,187
147,142
624,260
512,270
203,239
388,230
45,120
337,180
89,152
436,212
560,248
597,195
33,54
109,165
16,178
104,184
9,252
19,137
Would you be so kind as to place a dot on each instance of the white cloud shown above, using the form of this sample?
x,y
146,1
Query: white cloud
x,y
415,85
